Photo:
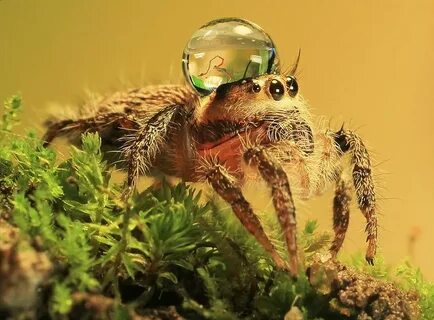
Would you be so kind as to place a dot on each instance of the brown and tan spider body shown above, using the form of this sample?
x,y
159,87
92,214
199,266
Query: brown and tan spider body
x,y
255,125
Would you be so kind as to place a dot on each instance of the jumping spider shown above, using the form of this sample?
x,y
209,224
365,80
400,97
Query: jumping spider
x,y
261,123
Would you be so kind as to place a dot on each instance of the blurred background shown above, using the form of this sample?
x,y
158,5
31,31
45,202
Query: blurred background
x,y
368,63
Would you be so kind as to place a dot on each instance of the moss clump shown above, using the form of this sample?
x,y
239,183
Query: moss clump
x,y
163,254
360,295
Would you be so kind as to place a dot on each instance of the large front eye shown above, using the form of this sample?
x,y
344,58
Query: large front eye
x,y
277,89
292,86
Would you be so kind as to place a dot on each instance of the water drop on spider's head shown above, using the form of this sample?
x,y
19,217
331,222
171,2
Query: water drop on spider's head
x,y
225,51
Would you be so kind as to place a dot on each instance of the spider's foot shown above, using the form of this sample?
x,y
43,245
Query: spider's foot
x,y
370,253
293,268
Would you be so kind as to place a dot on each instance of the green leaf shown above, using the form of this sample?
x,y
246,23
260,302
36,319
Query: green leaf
x,y
11,107
130,265
167,275
61,300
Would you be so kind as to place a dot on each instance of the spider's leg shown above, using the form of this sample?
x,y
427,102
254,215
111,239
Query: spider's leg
x,y
273,173
341,214
67,126
224,184
141,148
348,141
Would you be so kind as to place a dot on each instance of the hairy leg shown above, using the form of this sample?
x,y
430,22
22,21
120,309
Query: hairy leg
x,y
142,147
224,184
341,214
272,172
131,105
348,141
67,126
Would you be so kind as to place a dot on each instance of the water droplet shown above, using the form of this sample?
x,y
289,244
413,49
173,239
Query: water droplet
x,y
225,51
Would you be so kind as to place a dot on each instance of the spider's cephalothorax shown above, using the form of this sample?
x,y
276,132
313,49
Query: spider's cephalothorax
x,y
259,123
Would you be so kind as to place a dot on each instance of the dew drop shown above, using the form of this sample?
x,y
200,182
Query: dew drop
x,y
225,51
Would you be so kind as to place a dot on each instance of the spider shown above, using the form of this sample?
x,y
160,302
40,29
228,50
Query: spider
x,y
254,128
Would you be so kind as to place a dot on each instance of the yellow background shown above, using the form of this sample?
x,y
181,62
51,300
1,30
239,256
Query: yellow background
x,y
370,63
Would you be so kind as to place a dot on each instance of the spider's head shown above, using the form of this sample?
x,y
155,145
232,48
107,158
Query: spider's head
x,y
266,110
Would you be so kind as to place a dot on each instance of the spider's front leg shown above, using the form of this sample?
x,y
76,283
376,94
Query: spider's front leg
x,y
273,173
341,214
225,185
349,142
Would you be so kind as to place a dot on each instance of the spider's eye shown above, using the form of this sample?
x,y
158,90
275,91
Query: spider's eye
x,y
277,89
256,87
292,86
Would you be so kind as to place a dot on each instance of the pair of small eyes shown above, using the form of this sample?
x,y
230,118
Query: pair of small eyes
x,y
277,89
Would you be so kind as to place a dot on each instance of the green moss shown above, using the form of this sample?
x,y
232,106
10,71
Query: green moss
x,y
163,247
